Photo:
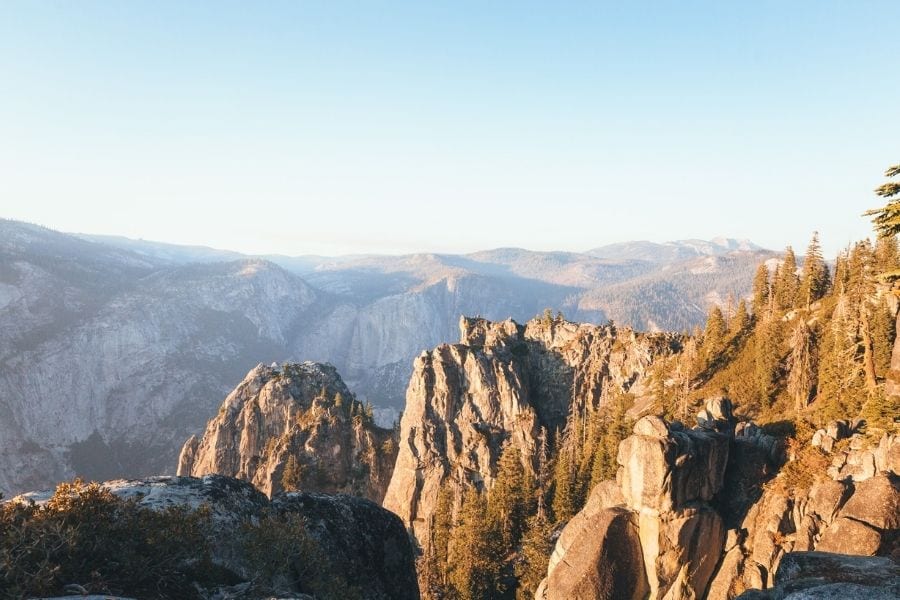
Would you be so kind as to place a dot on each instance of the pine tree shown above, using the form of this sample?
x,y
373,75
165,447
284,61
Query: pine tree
x,y
787,284
616,426
435,563
883,335
887,255
860,279
841,388
767,340
802,365
564,482
535,555
815,278
714,335
841,275
684,374
510,497
474,555
760,290
741,319
887,217
292,475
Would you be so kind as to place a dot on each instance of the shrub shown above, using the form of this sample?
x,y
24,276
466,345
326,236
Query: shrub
x,y
283,558
85,535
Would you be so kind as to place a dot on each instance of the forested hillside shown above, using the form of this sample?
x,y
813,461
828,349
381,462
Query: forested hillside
x,y
813,344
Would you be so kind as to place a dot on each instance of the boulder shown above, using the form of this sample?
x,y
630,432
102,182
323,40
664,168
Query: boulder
x,y
665,473
716,416
652,426
876,502
826,498
838,430
605,494
364,542
848,536
822,573
727,581
887,454
602,562
681,550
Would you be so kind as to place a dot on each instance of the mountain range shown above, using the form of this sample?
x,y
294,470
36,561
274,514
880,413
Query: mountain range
x,y
113,351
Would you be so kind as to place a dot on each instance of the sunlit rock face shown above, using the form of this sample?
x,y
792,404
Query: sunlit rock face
x,y
298,417
114,351
505,382
707,525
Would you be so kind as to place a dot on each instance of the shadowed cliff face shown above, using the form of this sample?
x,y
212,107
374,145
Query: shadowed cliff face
x,y
504,381
297,425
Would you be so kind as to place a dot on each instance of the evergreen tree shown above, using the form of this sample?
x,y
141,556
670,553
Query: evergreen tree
x,y
887,255
860,278
292,475
685,373
887,217
435,563
841,275
535,555
741,319
883,333
760,290
615,426
787,284
815,278
802,364
841,387
714,335
474,555
510,498
564,482
767,340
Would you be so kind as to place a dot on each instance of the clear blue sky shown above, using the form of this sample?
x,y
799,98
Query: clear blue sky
x,y
335,127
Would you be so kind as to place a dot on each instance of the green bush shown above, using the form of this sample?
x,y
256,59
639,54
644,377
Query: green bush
x,y
87,536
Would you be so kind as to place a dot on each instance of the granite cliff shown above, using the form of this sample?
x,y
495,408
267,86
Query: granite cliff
x,y
299,424
709,518
114,351
505,382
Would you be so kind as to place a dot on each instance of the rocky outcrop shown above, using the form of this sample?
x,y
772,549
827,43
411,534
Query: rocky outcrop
x,y
297,423
114,351
609,542
667,479
505,382
853,459
822,576
356,541
707,526
362,541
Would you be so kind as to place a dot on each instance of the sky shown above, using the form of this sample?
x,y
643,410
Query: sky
x,y
387,127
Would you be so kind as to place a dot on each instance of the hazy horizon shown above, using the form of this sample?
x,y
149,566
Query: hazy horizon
x,y
310,128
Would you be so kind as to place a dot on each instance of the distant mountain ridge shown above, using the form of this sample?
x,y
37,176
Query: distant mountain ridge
x,y
113,351
675,250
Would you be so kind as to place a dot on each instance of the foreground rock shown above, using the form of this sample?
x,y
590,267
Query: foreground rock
x,y
297,423
505,382
820,575
358,548
707,526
